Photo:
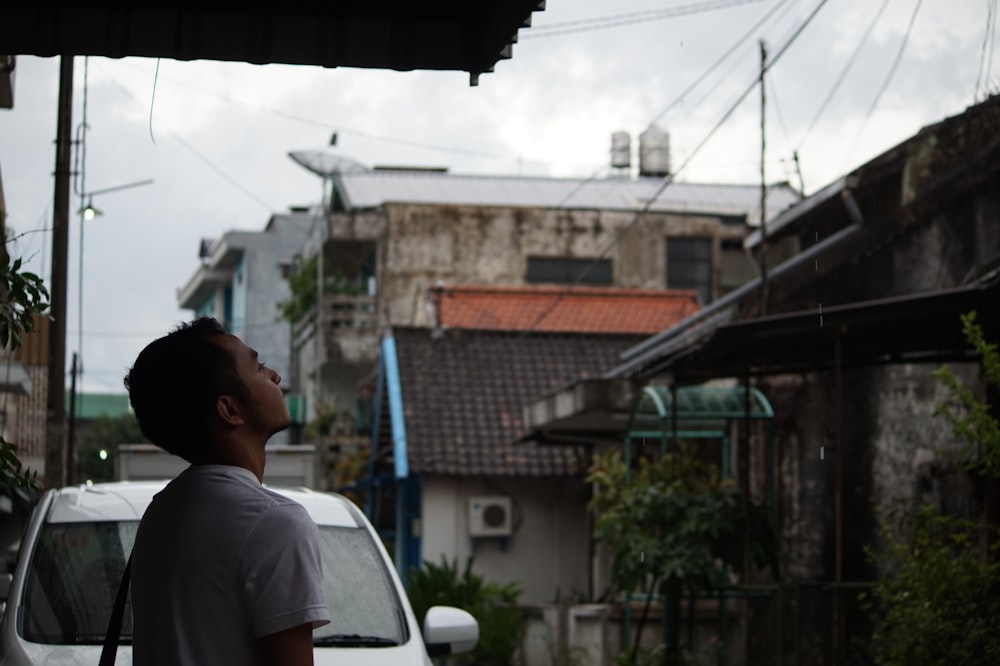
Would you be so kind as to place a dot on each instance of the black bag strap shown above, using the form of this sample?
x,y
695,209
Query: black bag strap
x,y
111,637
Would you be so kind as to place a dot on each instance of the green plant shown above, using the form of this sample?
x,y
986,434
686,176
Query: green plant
x,y
302,284
501,622
330,420
971,419
938,600
24,297
673,528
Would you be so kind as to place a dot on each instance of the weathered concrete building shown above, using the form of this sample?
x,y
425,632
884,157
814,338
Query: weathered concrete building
x,y
391,235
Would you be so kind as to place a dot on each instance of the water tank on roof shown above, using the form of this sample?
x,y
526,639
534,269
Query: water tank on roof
x,y
621,150
654,152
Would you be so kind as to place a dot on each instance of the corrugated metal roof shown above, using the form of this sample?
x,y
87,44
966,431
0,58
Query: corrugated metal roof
x,y
373,189
384,34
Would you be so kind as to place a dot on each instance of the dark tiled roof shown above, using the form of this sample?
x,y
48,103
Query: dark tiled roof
x,y
557,308
464,393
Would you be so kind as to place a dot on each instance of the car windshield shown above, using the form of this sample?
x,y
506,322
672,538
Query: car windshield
x,y
76,568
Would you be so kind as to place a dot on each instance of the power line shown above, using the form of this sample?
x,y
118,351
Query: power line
x,y
984,59
340,129
222,173
843,74
711,68
888,78
616,239
618,20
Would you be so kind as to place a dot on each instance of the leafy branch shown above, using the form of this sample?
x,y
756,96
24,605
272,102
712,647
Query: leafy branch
x,y
24,297
972,419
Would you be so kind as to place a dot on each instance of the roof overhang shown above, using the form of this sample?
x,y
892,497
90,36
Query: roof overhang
x,y
924,328
593,407
387,34
921,328
201,285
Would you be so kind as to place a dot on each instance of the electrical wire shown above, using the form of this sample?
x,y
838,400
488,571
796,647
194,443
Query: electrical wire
x,y
340,130
616,239
888,79
218,170
843,74
725,56
618,20
985,61
152,99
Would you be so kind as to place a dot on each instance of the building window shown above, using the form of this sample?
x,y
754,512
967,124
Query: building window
x,y
689,265
566,270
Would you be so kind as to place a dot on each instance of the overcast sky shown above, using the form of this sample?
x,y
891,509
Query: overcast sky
x,y
214,137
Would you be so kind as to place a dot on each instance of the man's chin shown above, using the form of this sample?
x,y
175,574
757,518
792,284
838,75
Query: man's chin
x,y
284,426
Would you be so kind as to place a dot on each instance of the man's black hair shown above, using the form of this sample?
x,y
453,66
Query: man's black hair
x,y
175,382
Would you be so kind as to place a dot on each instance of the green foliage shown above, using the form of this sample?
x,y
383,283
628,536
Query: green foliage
x,y
970,418
13,472
501,622
302,284
674,521
941,602
330,420
674,527
938,601
24,297
104,433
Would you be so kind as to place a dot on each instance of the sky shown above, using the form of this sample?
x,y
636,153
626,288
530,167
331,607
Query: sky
x,y
214,137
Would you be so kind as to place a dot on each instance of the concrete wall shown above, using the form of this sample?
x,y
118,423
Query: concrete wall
x,y
426,244
890,435
548,552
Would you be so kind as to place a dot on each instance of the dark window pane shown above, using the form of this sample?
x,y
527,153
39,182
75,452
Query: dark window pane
x,y
565,270
689,265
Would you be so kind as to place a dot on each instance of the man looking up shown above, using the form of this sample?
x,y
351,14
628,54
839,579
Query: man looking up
x,y
224,571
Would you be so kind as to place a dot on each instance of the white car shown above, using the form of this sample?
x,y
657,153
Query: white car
x,y
74,549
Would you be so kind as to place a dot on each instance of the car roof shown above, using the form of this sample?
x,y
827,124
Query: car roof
x,y
127,500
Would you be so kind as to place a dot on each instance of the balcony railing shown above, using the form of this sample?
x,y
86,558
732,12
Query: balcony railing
x,y
356,311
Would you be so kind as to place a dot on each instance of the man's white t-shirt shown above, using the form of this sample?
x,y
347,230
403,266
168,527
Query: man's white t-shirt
x,y
218,562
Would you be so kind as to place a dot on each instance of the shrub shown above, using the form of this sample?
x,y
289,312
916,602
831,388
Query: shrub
x,y
501,622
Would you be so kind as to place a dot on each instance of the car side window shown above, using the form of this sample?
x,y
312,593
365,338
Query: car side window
x,y
72,581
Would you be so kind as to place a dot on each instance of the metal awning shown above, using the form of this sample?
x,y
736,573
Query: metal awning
x,y
921,328
387,34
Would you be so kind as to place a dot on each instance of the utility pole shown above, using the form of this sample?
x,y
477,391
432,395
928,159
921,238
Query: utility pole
x,y
763,184
55,403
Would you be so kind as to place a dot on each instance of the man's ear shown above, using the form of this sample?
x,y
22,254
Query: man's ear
x,y
228,410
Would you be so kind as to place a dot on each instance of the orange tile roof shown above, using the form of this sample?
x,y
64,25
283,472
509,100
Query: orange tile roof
x,y
563,309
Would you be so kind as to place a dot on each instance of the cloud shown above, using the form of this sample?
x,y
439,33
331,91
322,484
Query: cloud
x,y
222,130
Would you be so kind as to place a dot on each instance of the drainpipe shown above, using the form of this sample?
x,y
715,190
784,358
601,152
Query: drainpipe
x,y
634,357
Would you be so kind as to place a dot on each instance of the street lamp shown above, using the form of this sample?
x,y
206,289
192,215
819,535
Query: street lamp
x,y
86,212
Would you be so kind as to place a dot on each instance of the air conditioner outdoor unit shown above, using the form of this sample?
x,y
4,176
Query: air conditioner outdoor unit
x,y
490,516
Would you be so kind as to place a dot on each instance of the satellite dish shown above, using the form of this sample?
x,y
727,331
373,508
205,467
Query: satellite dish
x,y
325,164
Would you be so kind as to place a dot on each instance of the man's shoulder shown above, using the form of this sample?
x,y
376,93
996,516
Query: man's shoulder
x,y
211,490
